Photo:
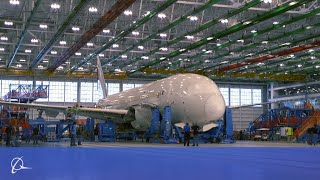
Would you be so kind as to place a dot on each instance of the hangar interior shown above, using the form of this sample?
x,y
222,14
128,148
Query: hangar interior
x,y
256,51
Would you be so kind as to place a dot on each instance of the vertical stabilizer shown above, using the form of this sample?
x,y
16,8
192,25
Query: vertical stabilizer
x,y
101,78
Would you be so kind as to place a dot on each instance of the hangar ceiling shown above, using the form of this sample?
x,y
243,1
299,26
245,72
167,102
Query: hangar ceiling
x,y
261,40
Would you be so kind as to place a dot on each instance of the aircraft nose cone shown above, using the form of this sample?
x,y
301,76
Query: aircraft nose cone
x,y
214,108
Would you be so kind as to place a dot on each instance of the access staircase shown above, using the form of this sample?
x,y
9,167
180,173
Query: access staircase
x,y
312,120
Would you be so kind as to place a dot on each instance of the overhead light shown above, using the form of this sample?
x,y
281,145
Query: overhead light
x,y
140,47
207,61
253,31
162,58
312,57
309,27
78,53
14,2
264,42
60,68
317,66
43,26
208,51
161,15
4,38
40,66
246,23
250,54
63,42
145,57
8,23
53,52
224,21
163,35
267,1
147,13
34,40
224,62
115,45
293,3
240,40
75,29
55,6
101,55
218,44
89,44
310,50
127,12
291,55
182,50
164,49
135,33
275,22
285,44
22,60
1,49
259,64
193,18
299,65
106,31
209,38
124,56
281,65
19,65
27,51
93,9
45,61
189,37
80,68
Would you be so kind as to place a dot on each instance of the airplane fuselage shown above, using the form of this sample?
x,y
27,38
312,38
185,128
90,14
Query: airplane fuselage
x,y
193,98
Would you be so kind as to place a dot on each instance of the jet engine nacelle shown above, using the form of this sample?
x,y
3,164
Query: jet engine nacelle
x,y
139,117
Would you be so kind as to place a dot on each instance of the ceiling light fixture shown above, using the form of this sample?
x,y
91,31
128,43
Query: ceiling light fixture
x,y
193,18
127,12
1,49
106,31
145,57
53,52
140,47
164,49
93,9
89,44
189,37
275,23
43,26
115,45
78,53
34,40
55,6
14,2
62,42
124,56
224,21
163,35
3,38
101,55
22,60
8,23
267,1
162,16
75,29
27,51
135,33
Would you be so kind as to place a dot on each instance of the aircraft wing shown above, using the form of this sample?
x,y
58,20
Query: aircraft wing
x,y
88,112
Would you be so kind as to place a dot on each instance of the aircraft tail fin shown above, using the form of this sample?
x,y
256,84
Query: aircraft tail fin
x,y
101,78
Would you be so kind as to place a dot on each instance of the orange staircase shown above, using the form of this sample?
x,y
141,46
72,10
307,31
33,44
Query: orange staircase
x,y
310,122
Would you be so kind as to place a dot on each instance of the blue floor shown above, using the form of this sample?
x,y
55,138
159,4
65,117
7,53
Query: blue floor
x,y
162,163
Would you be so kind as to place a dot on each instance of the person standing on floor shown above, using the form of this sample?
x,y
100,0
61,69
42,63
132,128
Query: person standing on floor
x,y
9,133
187,132
35,135
73,131
195,130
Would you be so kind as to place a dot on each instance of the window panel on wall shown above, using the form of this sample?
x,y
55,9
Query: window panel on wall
x,y
138,85
86,92
225,94
97,92
257,96
56,91
128,86
6,86
246,96
234,96
113,88
71,92
38,83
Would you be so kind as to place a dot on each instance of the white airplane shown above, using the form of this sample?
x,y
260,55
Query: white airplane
x,y
193,98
